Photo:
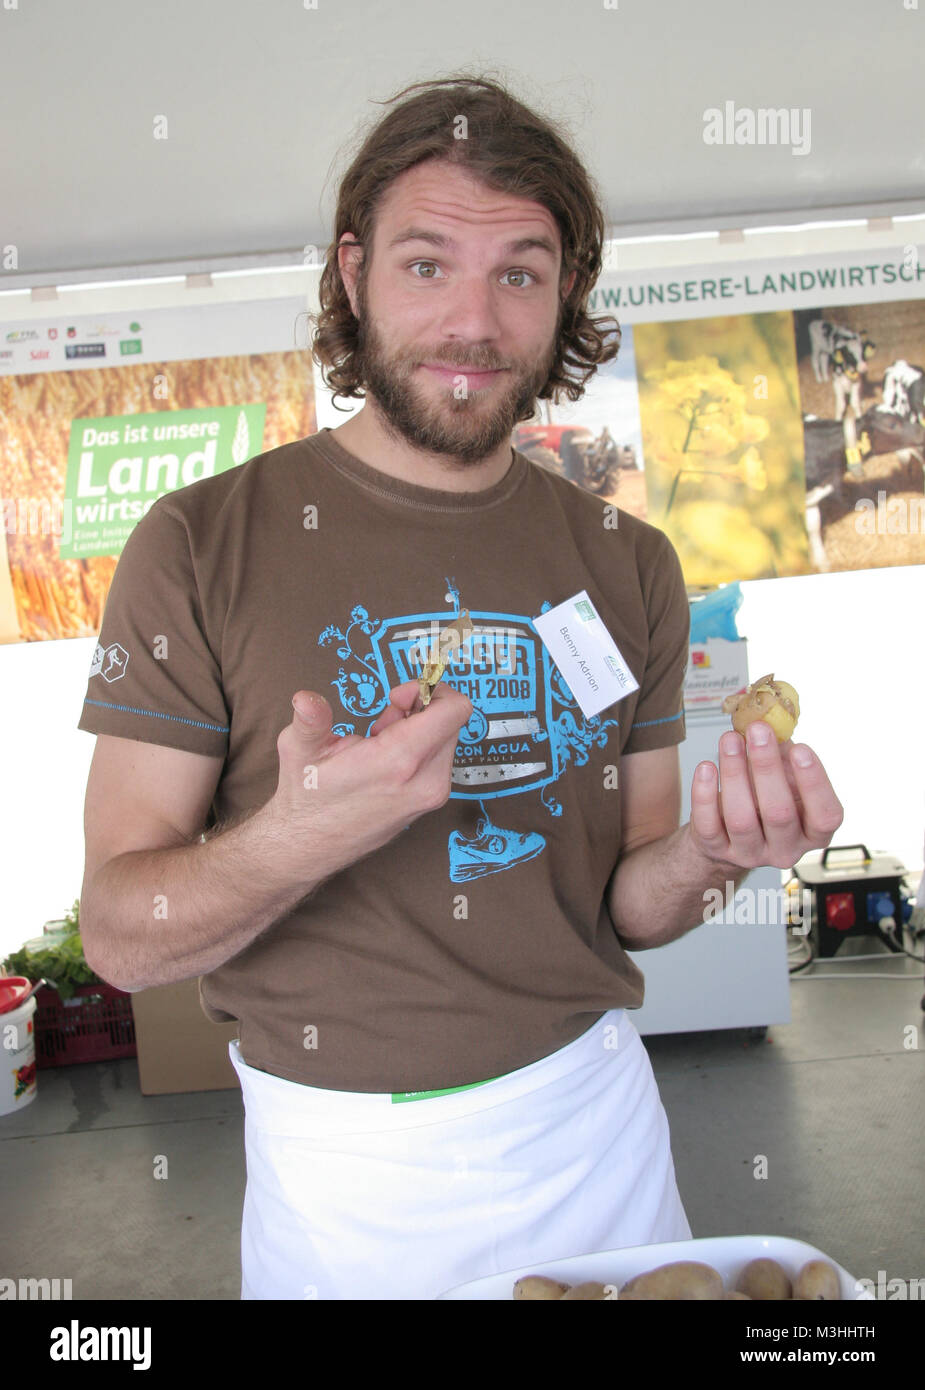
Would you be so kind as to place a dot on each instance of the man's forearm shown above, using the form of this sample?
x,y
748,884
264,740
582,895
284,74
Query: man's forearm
x,y
152,917
658,891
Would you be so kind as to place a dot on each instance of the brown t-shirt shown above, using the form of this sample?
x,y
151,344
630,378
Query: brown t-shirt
x,y
477,941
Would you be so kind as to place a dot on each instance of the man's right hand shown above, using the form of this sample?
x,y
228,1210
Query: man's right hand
x,y
340,798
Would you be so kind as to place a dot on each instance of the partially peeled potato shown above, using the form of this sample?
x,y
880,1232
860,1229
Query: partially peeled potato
x,y
775,702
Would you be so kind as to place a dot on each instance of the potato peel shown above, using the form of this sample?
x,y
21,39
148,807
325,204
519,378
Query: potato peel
x,y
450,639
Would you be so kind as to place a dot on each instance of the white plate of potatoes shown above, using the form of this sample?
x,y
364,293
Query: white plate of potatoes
x,y
728,1256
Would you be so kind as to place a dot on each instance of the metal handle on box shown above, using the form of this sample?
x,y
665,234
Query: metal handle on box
x,y
840,849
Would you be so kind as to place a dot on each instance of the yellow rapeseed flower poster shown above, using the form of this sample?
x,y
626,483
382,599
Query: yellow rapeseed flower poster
x,y
722,434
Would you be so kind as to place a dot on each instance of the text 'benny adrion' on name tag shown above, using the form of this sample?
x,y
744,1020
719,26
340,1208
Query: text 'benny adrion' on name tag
x,y
586,654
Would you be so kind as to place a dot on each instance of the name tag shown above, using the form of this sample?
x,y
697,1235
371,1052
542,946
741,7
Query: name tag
x,y
586,654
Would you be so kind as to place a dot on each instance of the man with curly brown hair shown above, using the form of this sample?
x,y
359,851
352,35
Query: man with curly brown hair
x,y
420,916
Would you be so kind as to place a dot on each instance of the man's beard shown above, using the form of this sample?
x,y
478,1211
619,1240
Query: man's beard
x,y
464,431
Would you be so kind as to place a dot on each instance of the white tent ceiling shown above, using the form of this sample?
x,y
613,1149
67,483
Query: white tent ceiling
x,y
265,100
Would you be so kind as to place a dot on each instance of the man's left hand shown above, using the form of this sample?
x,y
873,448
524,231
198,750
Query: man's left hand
x,y
767,808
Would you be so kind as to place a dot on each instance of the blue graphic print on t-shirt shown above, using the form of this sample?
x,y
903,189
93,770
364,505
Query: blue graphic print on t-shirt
x,y
525,727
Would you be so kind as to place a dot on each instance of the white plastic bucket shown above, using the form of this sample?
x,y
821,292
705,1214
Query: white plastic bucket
x,y
17,1058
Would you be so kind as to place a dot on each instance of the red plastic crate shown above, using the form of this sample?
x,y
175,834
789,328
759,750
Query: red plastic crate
x,y
96,1025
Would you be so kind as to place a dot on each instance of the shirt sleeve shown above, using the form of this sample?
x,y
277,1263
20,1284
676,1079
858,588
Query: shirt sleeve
x,y
658,721
154,676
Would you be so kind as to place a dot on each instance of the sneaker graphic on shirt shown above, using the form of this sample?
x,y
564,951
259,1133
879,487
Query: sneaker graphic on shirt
x,y
490,850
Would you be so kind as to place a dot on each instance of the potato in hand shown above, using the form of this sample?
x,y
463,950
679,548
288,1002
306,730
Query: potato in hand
x,y
776,702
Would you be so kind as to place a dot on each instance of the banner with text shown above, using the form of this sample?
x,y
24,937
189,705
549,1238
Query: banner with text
x,y
100,416
769,416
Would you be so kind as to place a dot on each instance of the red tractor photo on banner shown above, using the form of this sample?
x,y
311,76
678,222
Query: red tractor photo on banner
x,y
574,452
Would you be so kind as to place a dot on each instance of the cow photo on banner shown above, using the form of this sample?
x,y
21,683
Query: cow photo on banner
x,y
862,388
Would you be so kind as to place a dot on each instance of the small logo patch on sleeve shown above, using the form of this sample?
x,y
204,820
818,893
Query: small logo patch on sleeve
x,y
109,662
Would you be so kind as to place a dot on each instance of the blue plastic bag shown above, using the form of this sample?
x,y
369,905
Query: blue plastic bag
x,y
714,616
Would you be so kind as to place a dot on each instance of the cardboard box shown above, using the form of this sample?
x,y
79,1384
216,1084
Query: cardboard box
x,y
715,668
178,1048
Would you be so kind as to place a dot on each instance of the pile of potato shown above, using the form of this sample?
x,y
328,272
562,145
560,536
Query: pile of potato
x,y
689,1279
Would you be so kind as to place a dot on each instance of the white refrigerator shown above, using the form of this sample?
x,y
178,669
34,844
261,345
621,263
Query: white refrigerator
x,y
725,973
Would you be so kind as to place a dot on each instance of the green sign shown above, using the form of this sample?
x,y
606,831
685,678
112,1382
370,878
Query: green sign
x,y
118,466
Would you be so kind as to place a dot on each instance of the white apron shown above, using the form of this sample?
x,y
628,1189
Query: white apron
x,y
355,1196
